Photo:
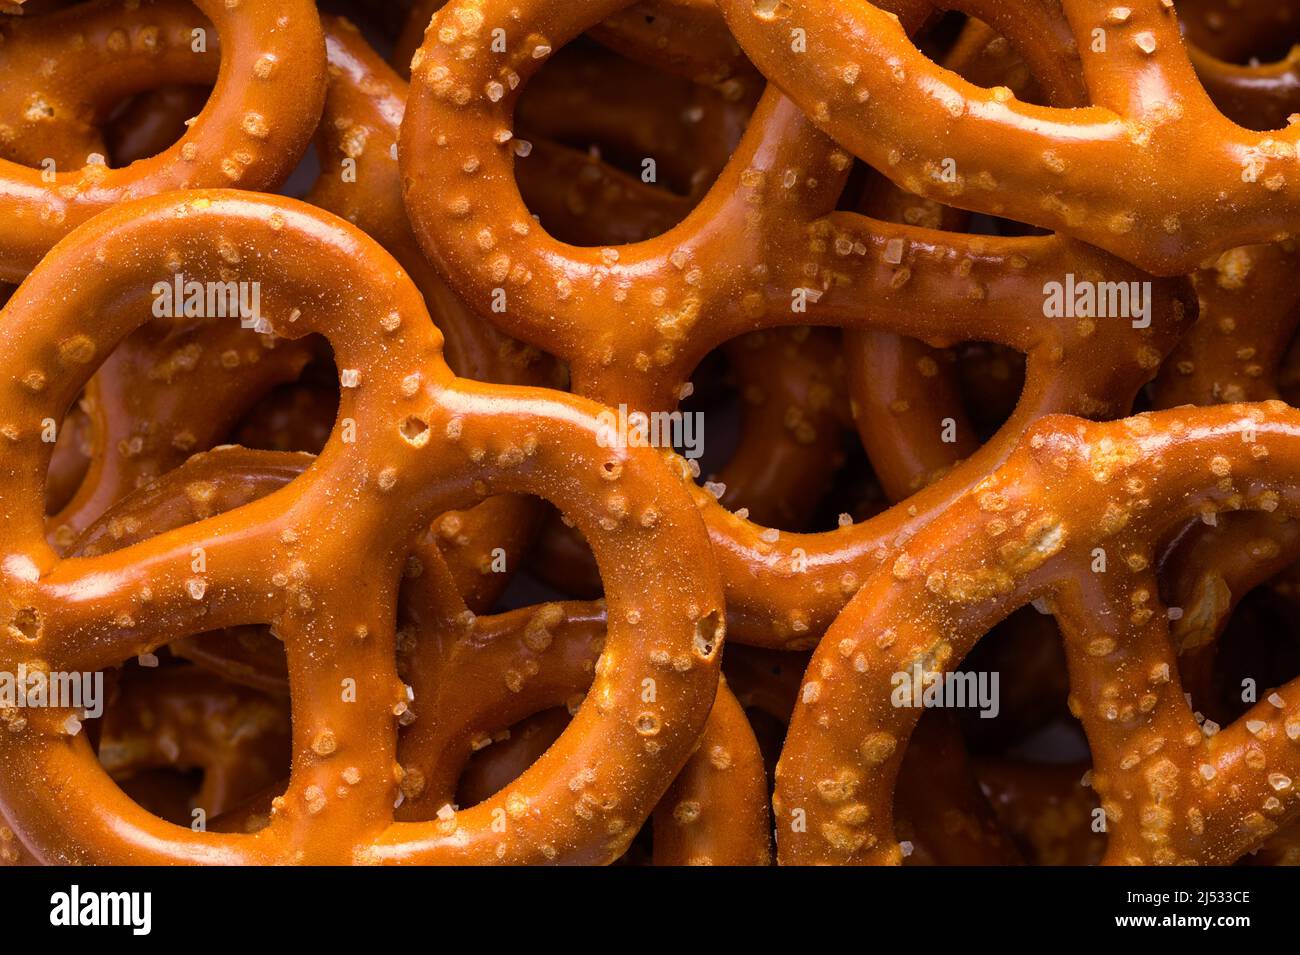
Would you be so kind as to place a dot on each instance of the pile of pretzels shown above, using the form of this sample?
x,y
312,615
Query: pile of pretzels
x,y
331,342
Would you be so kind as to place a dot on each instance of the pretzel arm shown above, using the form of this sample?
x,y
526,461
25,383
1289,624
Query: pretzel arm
x,y
1144,65
363,112
715,812
1229,800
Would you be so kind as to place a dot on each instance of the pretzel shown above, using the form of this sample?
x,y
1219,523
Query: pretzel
x,y
473,675
1170,791
1049,168
946,818
584,200
690,289
143,431
262,112
453,439
485,676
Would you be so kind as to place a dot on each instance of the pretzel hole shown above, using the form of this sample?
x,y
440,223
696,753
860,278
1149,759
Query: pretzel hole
x,y
620,152
177,738
151,121
992,377
561,565
779,388
1033,741
503,757
1258,36
1229,651
296,415
272,394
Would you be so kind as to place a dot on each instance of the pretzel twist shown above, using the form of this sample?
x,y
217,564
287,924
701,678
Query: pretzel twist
x,y
418,451
472,677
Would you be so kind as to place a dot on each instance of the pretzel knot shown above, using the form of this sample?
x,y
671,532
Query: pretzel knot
x,y
417,441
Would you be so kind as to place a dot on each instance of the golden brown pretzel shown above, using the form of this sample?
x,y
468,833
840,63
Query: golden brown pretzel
x,y
444,442
699,284
263,110
1171,791
472,675
143,430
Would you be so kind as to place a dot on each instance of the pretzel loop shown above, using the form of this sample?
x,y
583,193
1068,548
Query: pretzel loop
x,y
268,96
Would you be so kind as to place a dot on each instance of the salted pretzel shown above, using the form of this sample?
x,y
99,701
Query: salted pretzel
x,y
788,378
474,677
262,113
695,289
363,111
422,447
1171,791
946,819
483,674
